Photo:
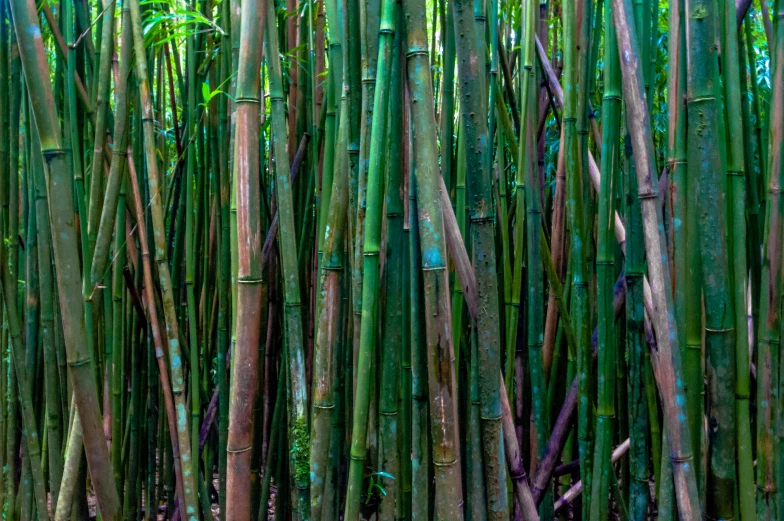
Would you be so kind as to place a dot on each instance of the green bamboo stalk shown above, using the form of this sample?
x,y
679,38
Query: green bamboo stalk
x,y
156,333
483,251
29,427
751,146
101,81
603,473
66,256
370,254
535,273
686,262
6,168
447,112
299,435
705,164
524,163
369,12
53,419
117,169
327,332
445,448
737,233
118,341
476,494
578,253
393,333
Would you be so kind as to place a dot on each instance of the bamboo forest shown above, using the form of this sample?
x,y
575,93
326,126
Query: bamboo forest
x,y
411,260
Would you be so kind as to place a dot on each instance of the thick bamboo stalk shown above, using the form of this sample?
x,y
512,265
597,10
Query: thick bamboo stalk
x,y
439,366
244,367
473,111
59,188
705,164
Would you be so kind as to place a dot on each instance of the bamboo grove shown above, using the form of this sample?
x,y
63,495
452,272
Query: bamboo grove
x,y
391,259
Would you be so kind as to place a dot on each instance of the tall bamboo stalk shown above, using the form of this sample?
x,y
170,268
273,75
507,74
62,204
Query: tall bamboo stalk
x,y
292,313
603,471
59,190
664,323
705,163
244,377
370,255
441,379
473,111
161,262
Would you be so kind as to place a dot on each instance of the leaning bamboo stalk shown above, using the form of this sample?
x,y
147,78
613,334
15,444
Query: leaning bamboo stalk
x,y
157,336
117,170
638,122
458,253
66,255
577,488
522,491
63,49
162,265
103,80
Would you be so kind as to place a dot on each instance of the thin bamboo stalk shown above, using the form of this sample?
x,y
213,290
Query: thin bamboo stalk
x,y
292,313
189,497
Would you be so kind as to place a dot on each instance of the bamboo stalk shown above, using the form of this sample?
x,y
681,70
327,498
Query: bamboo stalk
x,y
66,258
638,123
244,377
189,497
298,435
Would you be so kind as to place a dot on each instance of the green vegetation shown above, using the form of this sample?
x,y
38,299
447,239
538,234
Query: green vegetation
x,y
391,260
